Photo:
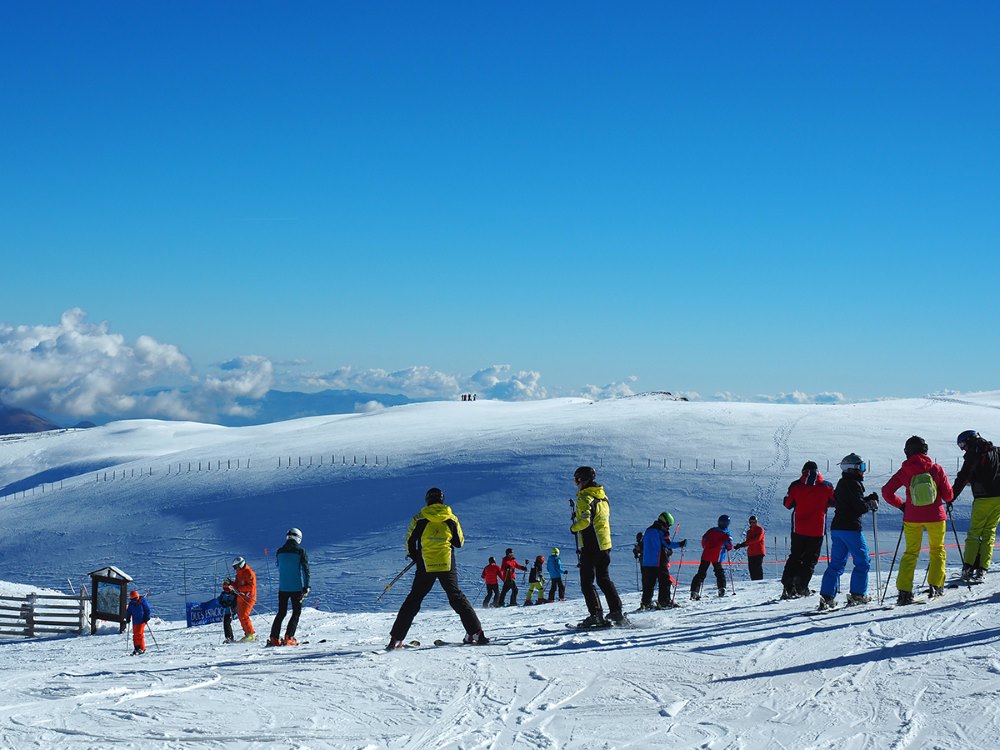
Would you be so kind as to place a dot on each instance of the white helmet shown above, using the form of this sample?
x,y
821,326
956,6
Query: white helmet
x,y
295,535
239,562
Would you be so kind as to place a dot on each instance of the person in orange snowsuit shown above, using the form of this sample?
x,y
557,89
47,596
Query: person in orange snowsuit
x,y
245,585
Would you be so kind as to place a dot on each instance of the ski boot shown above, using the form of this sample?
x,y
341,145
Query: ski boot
x,y
249,637
476,639
826,602
274,642
967,571
903,598
593,621
854,600
696,595
393,644
935,591
722,592
789,593
289,641
618,618
978,574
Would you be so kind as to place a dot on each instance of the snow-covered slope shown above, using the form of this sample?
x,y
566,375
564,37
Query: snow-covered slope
x,y
733,672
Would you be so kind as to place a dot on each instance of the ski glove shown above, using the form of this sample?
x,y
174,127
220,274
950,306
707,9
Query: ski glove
x,y
145,619
683,542
872,502
305,592
741,545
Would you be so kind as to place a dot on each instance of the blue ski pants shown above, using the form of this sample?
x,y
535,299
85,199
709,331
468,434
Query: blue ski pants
x,y
842,544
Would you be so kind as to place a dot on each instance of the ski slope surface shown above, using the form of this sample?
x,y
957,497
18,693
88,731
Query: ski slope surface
x,y
742,671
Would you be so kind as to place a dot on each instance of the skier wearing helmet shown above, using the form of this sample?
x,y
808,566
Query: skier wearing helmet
x,y
293,586
846,536
245,586
591,522
714,544
431,541
138,611
536,582
980,470
656,551
557,575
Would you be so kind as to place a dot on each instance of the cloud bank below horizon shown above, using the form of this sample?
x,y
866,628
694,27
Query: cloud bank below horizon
x,y
78,369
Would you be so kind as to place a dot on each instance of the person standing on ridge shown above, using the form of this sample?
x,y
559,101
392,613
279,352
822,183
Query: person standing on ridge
x,y
981,470
138,611
246,592
293,586
809,496
927,491
431,541
656,551
846,536
714,543
557,575
491,575
591,523
754,542
508,572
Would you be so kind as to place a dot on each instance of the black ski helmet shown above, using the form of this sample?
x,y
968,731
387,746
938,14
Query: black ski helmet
x,y
723,522
584,474
509,551
965,437
434,495
915,446
493,561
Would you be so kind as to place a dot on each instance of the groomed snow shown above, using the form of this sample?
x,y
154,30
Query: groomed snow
x,y
741,671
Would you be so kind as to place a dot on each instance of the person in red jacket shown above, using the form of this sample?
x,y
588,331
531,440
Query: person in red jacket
x,y
508,572
715,543
756,549
491,574
809,496
927,490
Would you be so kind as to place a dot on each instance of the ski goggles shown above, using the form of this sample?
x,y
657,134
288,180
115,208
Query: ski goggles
x,y
862,467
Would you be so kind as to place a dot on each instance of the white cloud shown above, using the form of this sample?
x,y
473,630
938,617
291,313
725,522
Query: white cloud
x,y
611,390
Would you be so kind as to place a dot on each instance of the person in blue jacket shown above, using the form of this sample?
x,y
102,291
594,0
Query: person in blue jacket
x,y
557,574
293,586
655,562
138,612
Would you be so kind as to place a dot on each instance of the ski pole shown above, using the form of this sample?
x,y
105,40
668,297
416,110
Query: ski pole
x,y
958,544
729,564
680,563
891,565
637,586
878,579
152,636
128,635
393,581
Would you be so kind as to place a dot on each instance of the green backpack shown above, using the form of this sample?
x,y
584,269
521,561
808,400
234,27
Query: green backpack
x,y
923,489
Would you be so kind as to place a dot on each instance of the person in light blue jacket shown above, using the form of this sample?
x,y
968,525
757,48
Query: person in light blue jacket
x,y
293,586
656,550
557,575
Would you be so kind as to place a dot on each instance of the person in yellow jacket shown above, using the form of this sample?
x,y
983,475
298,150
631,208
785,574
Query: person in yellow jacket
x,y
433,536
592,526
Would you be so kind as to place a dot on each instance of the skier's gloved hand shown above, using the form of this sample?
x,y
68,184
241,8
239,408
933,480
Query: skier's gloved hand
x,y
741,545
145,619
305,592
683,542
872,501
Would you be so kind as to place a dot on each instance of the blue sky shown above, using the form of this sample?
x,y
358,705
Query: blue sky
x,y
743,199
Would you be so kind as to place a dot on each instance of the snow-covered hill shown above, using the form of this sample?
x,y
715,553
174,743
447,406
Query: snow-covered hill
x,y
739,672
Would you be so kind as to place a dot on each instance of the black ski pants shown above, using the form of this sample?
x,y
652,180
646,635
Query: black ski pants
x,y
594,567
801,562
557,583
423,582
699,577
284,597
756,565
227,625
492,592
651,577
510,586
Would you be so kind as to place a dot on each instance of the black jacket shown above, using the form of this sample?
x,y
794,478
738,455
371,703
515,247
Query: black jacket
x,y
981,469
849,497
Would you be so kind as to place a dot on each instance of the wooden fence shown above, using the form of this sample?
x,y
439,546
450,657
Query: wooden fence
x,y
43,614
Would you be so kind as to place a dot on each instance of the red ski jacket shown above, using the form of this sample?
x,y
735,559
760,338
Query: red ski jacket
x,y
491,574
714,543
509,567
912,466
810,496
755,541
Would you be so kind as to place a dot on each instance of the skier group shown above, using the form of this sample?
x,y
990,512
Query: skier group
x,y
435,532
